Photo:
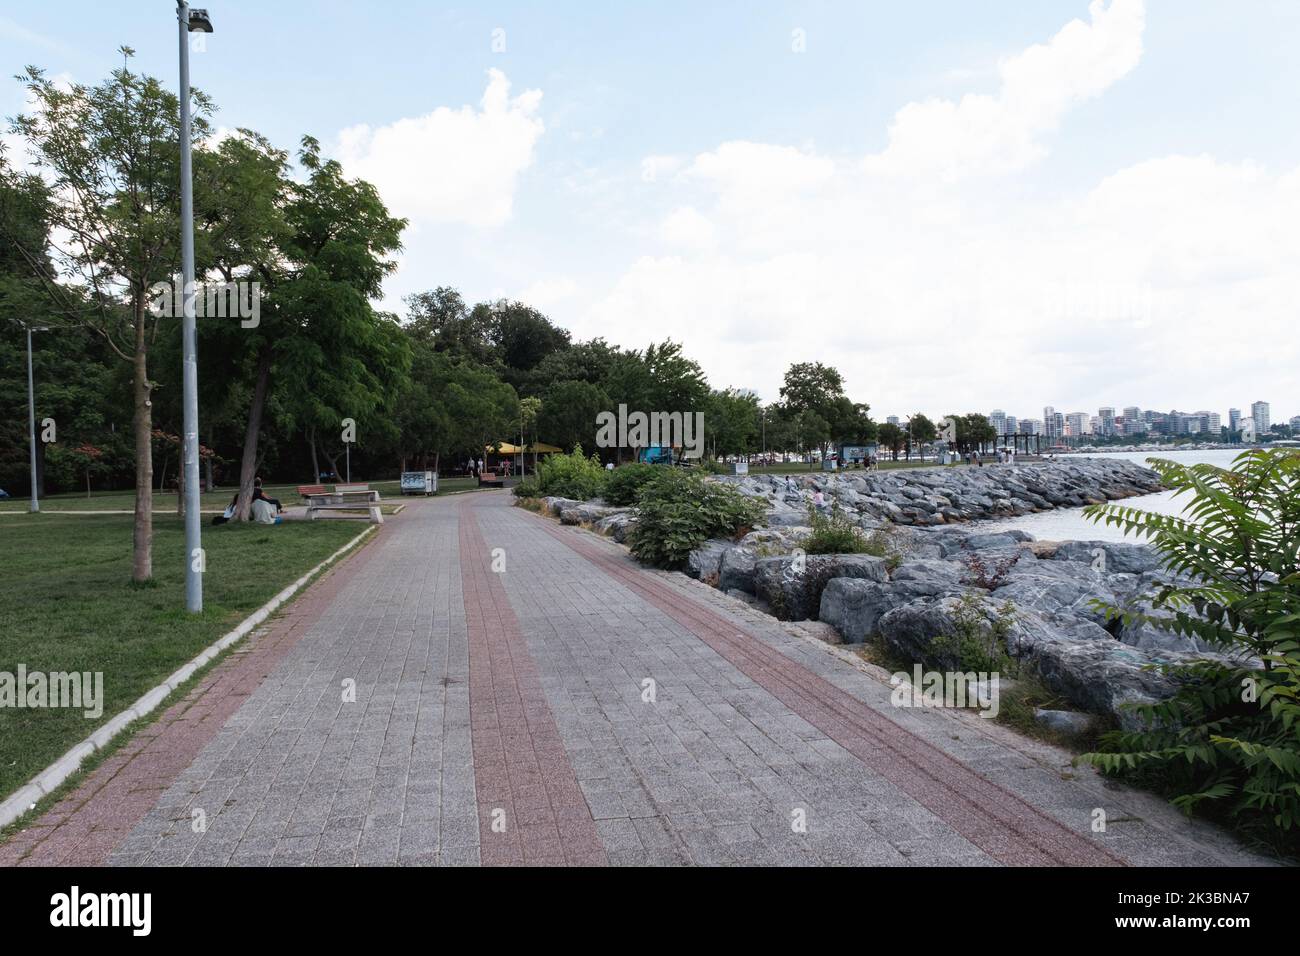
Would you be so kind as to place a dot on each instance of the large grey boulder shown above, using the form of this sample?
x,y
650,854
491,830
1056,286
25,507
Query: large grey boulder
x,y
1055,587
618,525
736,571
1111,557
1068,722
794,593
705,561
985,542
586,512
854,606
1102,676
555,506
910,629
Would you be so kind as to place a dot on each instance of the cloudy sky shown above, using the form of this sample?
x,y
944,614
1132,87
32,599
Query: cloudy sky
x,y
961,206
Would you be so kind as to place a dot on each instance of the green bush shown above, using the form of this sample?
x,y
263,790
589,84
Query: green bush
x,y
571,476
834,533
977,645
529,487
678,510
1228,742
624,482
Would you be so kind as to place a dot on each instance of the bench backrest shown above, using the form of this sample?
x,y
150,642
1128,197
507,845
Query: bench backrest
x,y
360,486
311,490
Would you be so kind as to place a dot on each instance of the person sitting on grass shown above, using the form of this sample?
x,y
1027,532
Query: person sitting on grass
x,y
261,509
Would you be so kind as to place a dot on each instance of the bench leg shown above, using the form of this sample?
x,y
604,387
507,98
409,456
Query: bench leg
x,y
376,516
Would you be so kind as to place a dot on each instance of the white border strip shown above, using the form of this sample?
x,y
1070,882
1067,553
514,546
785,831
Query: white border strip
x,y
52,776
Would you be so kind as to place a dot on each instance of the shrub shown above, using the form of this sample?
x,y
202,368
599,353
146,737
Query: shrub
x,y
678,509
977,645
834,533
625,481
529,487
1228,741
989,573
571,476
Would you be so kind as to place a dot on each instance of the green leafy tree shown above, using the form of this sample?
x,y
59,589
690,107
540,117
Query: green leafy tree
x,y
109,155
521,338
568,414
441,318
1230,737
973,430
922,431
731,422
815,394
332,354
892,437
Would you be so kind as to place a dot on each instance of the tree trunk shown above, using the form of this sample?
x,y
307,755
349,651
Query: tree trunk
x,y
248,464
333,462
207,463
142,421
315,462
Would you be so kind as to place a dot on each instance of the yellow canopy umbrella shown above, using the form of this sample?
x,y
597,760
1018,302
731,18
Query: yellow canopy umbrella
x,y
505,448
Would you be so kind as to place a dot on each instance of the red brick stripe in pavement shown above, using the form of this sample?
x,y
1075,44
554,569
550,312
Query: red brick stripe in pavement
x,y
522,773
86,826
999,822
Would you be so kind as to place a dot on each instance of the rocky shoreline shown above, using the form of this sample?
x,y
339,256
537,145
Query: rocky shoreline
x,y
935,496
937,577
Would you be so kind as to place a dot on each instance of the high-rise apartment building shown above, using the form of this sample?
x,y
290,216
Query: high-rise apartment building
x,y
1234,419
1259,411
999,421
1107,417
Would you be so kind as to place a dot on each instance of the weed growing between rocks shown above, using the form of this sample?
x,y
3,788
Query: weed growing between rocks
x,y
988,571
977,644
834,533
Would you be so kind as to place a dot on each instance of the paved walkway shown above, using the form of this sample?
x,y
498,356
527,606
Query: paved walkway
x,y
482,686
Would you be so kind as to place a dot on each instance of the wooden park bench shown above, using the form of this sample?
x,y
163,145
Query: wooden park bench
x,y
306,490
346,498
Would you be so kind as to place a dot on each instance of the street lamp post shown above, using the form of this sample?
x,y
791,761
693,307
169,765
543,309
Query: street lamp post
x,y
190,21
31,419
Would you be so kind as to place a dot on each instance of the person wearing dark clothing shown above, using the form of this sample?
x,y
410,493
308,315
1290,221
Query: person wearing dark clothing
x,y
260,495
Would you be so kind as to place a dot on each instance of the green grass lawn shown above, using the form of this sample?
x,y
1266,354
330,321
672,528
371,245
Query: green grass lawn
x,y
163,504
67,604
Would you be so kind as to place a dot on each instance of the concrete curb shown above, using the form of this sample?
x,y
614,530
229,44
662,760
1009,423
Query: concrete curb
x,y
44,783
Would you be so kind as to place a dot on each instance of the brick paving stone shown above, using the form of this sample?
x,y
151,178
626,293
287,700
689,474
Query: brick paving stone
x,y
604,712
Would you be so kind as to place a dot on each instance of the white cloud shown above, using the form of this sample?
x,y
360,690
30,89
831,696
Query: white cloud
x,y
657,167
547,293
459,166
1168,282
1000,133
684,226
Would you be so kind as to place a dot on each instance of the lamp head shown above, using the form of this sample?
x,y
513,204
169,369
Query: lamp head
x,y
199,21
